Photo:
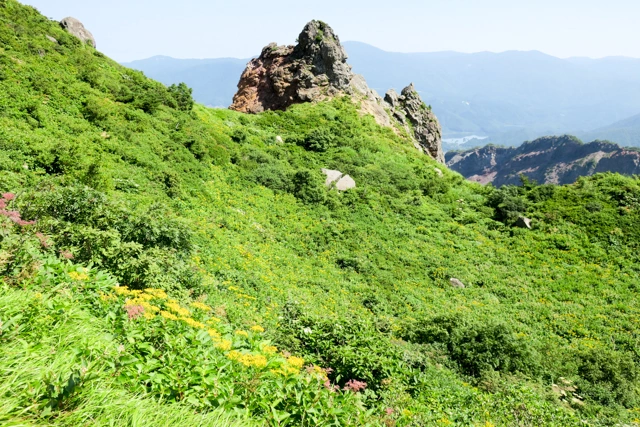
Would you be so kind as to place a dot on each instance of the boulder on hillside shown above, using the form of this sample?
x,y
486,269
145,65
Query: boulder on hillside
x,y
345,183
523,222
77,29
316,69
341,181
456,283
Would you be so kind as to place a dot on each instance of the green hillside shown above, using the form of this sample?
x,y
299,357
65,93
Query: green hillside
x,y
165,264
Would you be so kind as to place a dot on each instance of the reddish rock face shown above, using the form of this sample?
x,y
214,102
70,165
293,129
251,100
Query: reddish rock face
x,y
548,160
286,75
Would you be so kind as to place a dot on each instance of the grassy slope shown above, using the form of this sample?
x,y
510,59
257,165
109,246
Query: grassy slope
x,y
357,282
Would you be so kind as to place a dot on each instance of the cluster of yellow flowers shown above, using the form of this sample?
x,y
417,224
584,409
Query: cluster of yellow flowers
x,y
107,297
200,306
193,323
224,345
269,349
78,276
296,362
157,293
177,308
174,311
168,315
248,359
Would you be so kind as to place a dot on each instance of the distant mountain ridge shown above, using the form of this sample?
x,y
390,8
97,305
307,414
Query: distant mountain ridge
x,y
213,80
510,96
548,160
624,132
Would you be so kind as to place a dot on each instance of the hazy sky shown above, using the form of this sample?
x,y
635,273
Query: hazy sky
x,y
136,29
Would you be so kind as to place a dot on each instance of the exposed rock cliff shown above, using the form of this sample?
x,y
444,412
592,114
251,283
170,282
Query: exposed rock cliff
x,y
316,69
556,160
426,128
76,28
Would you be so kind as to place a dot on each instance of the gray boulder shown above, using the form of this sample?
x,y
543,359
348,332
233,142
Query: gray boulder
x,y
341,181
77,29
332,176
523,222
345,183
455,283
51,39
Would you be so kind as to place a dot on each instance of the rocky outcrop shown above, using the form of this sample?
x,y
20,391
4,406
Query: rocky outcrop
x,y
77,29
551,160
316,69
409,109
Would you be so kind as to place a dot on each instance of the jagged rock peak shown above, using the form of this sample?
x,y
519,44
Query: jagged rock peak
x,y
77,29
285,75
424,123
320,46
316,69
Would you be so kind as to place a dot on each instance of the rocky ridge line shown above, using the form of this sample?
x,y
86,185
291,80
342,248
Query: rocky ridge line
x,y
547,160
316,69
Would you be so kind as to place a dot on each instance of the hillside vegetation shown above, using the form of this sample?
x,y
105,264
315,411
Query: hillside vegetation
x,y
169,264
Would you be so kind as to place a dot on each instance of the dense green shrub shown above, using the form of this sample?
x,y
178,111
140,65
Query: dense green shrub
x,y
308,186
608,377
319,140
183,96
476,348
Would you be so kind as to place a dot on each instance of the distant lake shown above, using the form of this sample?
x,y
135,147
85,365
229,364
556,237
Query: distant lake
x,y
463,140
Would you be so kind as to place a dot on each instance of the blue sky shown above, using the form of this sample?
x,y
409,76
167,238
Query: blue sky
x,y
136,29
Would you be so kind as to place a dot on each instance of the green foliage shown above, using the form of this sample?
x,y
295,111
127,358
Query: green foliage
x,y
183,96
308,186
119,173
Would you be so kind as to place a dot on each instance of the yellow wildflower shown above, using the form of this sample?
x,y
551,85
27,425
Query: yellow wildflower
x,y
256,360
269,349
122,290
168,315
157,293
257,328
215,335
176,308
149,315
201,306
296,362
194,323
78,276
224,345
242,333
107,297
213,320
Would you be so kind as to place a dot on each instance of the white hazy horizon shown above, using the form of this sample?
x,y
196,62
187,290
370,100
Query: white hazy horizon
x,y
128,30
